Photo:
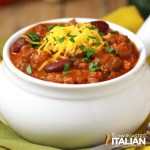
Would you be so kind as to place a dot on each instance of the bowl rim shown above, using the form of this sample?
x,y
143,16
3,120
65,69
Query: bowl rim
x,y
26,77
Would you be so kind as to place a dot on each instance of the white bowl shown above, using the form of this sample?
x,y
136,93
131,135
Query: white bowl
x,y
74,116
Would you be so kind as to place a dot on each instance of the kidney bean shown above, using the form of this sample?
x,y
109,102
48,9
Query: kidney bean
x,y
58,66
18,44
101,25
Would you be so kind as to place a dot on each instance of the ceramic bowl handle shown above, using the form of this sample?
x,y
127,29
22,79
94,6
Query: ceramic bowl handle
x,y
144,34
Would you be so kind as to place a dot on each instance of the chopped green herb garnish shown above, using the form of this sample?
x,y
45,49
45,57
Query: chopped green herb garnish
x,y
80,31
87,59
112,32
71,37
93,67
92,27
60,40
47,39
101,33
50,27
107,43
128,40
111,50
87,39
89,53
72,40
51,32
82,47
31,45
66,68
68,34
62,25
92,49
68,56
43,76
117,53
101,56
74,58
54,38
37,46
34,37
29,70
21,41
92,37
96,43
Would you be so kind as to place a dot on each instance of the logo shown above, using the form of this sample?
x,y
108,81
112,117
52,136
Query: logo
x,y
108,139
121,140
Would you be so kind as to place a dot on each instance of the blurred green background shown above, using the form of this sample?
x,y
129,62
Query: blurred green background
x,y
143,6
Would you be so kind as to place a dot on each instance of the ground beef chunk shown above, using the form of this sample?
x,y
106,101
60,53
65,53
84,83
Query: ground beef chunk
x,y
108,62
123,49
40,58
120,43
41,30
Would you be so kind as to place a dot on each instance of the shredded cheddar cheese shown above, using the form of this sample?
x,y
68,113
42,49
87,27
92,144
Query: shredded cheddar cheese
x,y
68,39
64,40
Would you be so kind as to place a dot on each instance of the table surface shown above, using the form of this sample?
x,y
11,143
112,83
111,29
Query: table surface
x,y
25,12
